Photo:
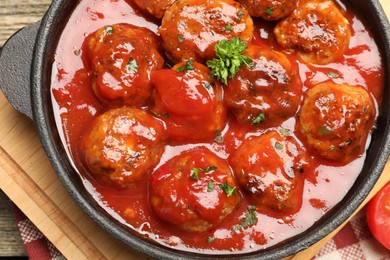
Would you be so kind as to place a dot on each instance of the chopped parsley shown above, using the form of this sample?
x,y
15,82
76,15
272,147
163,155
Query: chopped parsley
x,y
206,85
210,186
108,30
333,74
228,27
250,217
77,52
269,10
331,148
195,173
132,65
180,38
210,239
279,146
324,130
228,189
229,59
260,118
187,66
218,137
285,131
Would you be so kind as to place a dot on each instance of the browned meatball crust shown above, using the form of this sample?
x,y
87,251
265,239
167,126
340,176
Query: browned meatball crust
x,y
270,168
317,29
191,28
269,9
194,190
336,119
122,146
267,92
154,7
122,65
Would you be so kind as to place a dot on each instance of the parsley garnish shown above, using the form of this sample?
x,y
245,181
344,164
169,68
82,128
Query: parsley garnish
x,y
228,28
210,186
260,118
206,85
285,131
324,130
228,189
132,65
269,10
333,74
331,148
250,217
210,239
229,59
180,38
218,138
195,173
108,30
187,66
279,146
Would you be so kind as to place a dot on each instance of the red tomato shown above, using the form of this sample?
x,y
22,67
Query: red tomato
x,y
378,216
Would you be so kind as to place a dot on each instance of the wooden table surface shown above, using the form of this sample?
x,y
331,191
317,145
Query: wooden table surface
x,y
15,14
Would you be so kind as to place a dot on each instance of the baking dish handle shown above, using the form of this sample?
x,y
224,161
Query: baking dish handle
x,y
15,67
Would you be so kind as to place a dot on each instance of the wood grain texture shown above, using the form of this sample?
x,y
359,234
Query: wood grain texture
x,y
27,177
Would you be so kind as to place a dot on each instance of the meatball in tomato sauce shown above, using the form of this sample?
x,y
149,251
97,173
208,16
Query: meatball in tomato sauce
x,y
265,93
191,28
189,101
269,9
317,29
194,191
336,119
270,168
122,145
154,7
122,57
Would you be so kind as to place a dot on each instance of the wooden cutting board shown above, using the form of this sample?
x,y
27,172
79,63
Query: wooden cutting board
x,y
28,179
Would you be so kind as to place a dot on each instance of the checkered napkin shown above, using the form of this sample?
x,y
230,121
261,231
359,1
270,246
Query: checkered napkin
x,y
354,241
38,247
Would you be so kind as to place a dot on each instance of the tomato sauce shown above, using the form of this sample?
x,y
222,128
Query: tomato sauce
x,y
75,105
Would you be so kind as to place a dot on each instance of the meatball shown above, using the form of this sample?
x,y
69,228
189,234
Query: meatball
x,y
194,190
265,93
270,168
191,28
153,7
317,29
269,9
122,57
122,146
189,101
335,120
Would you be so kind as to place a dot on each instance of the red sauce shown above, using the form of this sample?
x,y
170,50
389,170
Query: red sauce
x,y
75,106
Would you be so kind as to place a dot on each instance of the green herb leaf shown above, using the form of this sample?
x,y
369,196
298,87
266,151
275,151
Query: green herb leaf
x,y
279,146
228,189
236,228
260,118
180,38
187,66
331,148
269,10
132,65
324,130
206,85
195,173
210,239
228,28
210,186
218,138
229,59
108,30
250,217
285,131
333,74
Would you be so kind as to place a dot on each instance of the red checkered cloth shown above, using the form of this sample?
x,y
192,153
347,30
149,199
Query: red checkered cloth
x,y
354,241
38,247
